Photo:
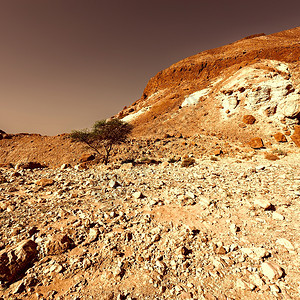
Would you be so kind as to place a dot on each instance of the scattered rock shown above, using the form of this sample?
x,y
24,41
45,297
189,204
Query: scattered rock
x,y
277,216
2,179
93,235
113,184
218,152
187,162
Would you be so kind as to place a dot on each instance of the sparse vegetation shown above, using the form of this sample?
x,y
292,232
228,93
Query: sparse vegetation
x,y
187,162
172,160
104,134
279,152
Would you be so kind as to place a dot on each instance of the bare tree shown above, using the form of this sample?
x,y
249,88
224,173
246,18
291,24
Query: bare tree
x,y
104,134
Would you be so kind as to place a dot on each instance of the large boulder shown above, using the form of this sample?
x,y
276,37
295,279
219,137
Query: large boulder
x,y
15,261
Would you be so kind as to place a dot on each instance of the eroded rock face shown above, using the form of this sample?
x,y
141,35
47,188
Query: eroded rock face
x,y
16,260
214,89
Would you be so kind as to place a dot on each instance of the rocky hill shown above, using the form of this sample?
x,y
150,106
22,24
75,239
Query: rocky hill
x,y
215,91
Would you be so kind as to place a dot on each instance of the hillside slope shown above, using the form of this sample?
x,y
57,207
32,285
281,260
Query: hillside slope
x,y
211,91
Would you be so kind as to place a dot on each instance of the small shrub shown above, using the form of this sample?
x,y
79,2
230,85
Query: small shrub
x,y
104,134
172,160
279,152
187,162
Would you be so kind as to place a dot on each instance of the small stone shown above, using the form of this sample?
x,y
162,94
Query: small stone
x,y
274,289
65,166
184,251
263,203
245,285
233,247
156,238
277,216
45,182
2,179
93,235
138,195
220,250
218,152
284,242
296,136
270,156
256,280
234,229
164,164
113,184
272,270
186,295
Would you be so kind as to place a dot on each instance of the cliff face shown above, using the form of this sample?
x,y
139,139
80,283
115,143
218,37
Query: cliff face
x,y
212,91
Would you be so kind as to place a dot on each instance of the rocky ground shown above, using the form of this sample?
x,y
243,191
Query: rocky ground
x,y
221,228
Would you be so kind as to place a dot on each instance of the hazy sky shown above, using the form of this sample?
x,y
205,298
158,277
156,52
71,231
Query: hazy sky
x,y
67,63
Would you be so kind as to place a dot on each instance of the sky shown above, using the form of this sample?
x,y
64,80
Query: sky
x,y
65,64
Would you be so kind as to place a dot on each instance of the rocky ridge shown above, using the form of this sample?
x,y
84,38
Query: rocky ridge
x,y
213,90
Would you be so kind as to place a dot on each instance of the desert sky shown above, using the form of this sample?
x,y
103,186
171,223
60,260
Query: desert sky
x,y
65,64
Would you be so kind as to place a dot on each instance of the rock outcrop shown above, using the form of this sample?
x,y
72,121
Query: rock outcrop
x,y
15,260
